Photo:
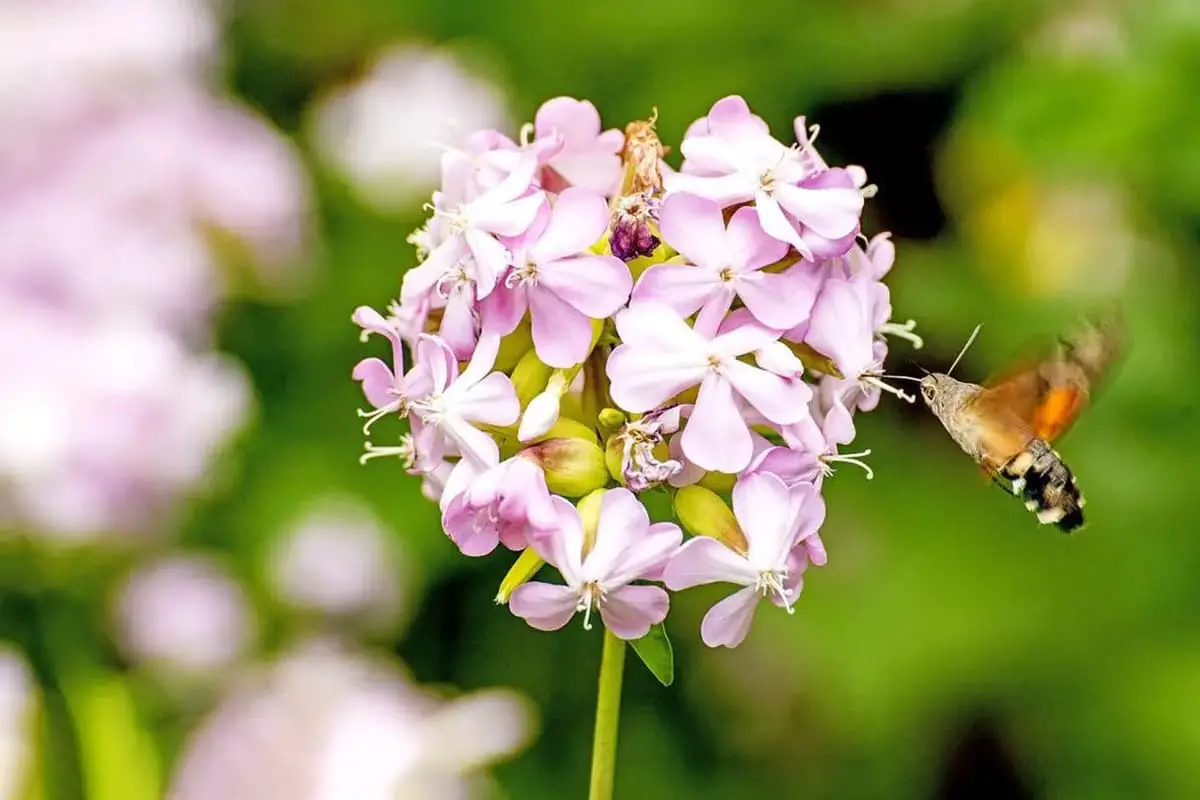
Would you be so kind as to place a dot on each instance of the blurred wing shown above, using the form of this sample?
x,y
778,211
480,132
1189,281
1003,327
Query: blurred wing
x,y
1049,394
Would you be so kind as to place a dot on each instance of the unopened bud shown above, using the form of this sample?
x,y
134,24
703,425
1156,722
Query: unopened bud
x,y
573,467
589,514
524,568
540,415
703,513
610,420
567,428
530,376
718,481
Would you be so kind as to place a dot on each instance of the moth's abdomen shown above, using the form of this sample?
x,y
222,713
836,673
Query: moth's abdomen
x,y
1047,485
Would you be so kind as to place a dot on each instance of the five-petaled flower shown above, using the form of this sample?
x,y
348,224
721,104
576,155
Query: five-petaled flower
x,y
600,575
775,520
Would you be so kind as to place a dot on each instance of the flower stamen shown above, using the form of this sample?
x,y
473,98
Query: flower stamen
x,y
903,330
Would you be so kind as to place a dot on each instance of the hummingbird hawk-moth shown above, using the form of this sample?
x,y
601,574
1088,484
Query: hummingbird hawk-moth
x,y
1009,424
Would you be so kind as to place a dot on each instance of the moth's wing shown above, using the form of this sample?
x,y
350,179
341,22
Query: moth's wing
x,y
1048,393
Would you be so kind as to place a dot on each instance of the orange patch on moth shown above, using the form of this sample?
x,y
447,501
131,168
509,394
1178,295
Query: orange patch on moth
x,y
1056,412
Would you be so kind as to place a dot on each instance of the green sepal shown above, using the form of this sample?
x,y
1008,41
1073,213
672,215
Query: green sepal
x,y
654,649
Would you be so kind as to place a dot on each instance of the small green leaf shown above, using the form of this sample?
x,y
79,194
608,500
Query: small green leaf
x,y
654,649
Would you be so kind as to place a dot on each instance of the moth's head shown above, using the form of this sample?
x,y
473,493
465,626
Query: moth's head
x,y
937,389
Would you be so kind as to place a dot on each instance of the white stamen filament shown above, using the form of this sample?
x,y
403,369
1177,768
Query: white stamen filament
x,y
847,458
454,280
430,409
525,135
590,595
868,379
405,451
869,191
397,406
771,582
903,330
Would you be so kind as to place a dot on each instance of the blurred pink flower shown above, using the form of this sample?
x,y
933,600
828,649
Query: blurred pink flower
x,y
108,423
183,614
18,723
775,520
627,548
383,132
340,560
324,724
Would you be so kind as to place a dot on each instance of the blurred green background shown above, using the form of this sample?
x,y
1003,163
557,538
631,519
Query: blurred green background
x,y
1032,159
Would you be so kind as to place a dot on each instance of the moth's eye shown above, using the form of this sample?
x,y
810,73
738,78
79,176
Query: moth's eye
x,y
928,392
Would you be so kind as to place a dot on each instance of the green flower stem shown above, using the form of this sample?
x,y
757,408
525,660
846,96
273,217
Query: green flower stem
x,y
608,713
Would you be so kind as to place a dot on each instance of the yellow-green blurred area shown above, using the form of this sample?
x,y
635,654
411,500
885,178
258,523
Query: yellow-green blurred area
x,y
1034,160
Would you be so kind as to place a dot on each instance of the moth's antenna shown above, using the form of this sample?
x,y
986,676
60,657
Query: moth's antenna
x,y
963,352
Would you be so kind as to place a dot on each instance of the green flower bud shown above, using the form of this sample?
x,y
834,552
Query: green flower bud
x,y
514,346
530,376
566,428
573,466
703,513
611,420
719,482
524,568
589,514
614,458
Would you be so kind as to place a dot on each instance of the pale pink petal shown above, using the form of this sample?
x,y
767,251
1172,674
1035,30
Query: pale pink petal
x,y
561,335
544,606
623,520
577,121
840,328
594,285
630,611
458,323
809,509
716,436
563,548
778,358
763,507
502,310
527,496
713,155
748,245
540,415
783,401
492,401
595,170
646,555
489,260
377,381
655,326
473,443
421,279
511,218
515,184
740,338
459,522
724,190
694,226
727,623
482,361
831,213
642,378
371,321
436,358
781,300
777,225
577,222
683,287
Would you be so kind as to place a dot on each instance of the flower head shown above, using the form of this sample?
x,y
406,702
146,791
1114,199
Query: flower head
x,y
774,520
600,576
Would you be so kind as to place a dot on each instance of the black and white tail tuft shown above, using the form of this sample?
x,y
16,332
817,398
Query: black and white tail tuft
x,y
1047,485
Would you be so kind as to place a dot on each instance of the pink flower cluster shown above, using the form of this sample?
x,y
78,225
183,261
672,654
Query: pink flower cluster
x,y
585,322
